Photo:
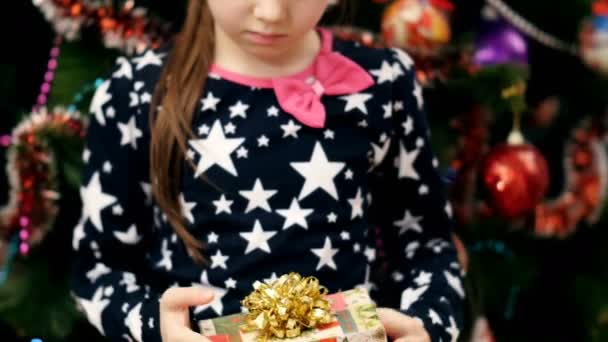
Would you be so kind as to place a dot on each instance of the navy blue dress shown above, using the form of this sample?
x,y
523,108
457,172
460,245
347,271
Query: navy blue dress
x,y
293,198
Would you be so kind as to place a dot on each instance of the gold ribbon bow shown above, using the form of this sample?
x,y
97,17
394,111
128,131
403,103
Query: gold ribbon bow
x,y
283,307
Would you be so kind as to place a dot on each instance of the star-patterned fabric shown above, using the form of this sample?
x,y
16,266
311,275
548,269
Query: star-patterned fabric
x,y
284,197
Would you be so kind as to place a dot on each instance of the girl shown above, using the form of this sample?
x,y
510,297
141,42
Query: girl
x,y
255,145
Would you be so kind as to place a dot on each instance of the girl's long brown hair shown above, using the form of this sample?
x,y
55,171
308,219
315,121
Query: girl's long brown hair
x,y
173,104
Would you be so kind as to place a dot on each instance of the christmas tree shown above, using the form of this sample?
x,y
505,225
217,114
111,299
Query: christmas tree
x,y
516,98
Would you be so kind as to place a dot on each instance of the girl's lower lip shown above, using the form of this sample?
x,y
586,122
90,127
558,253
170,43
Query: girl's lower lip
x,y
265,39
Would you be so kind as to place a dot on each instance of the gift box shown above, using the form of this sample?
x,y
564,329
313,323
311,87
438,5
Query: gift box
x,y
354,319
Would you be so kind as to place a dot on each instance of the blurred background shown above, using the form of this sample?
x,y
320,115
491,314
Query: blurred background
x,y
516,93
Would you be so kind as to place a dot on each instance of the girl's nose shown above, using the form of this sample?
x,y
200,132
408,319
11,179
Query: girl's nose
x,y
269,10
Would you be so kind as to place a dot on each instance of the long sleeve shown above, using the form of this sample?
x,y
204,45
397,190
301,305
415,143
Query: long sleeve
x,y
107,280
410,208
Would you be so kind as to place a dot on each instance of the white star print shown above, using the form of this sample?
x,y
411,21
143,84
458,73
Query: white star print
x,y
356,247
295,215
423,190
348,174
326,255
411,248
187,208
345,235
388,110
86,154
263,141
166,257
242,152
404,58
273,111
418,94
230,283
406,163
380,152
149,58
94,307
239,109
147,189
107,167
370,254
212,238
117,210
397,70
99,270
210,102
223,205
134,323
138,85
290,129
134,99
332,218
453,330
435,319
328,134
230,128
448,210
454,283
216,150
423,278
419,142
384,74
319,173
258,197
129,133
409,222
410,296
397,276
125,69
203,129
219,260
100,98
356,101
130,237
257,238
356,205
110,112
146,97
78,234
94,201
397,106
408,125
367,284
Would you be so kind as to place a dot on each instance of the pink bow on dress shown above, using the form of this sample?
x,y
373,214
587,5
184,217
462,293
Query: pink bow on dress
x,y
331,74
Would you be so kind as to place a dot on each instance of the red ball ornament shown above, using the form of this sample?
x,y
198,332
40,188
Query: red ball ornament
x,y
516,177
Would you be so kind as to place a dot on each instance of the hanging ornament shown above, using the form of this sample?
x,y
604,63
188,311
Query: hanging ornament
x,y
32,208
419,26
123,27
500,43
585,186
516,177
515,174
593,38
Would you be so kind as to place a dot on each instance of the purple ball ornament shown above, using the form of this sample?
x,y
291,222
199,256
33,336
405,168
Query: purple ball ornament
x,y
500,43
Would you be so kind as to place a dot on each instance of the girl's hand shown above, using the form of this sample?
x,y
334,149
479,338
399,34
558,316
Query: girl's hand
x,y
174,314
402,328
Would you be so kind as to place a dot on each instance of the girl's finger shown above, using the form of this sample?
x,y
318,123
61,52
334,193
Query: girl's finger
x,y
176,298
398,325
